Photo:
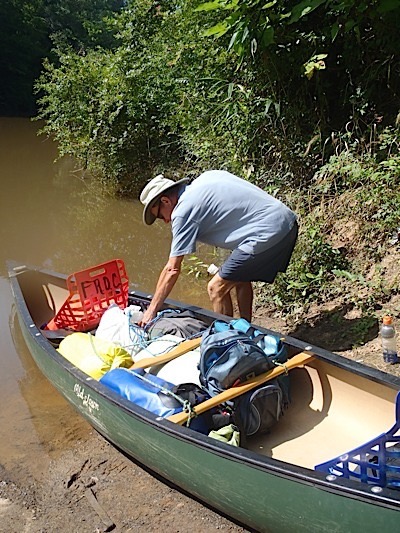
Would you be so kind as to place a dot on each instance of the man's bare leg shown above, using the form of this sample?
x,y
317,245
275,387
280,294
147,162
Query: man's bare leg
x,y
244,294
219,293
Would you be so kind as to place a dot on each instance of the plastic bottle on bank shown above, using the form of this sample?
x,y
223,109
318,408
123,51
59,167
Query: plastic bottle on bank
x,y
388,336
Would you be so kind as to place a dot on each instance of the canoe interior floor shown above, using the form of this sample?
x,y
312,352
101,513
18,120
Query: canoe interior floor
x,y
332,411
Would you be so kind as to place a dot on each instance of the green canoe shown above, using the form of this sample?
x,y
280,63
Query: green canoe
x,y
336,406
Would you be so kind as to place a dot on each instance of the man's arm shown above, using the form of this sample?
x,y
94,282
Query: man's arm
x,y
166,281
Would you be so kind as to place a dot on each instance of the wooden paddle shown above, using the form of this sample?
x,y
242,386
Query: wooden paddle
x,y
233,392
182,348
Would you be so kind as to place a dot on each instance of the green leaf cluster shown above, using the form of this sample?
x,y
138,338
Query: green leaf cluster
x,y
237,84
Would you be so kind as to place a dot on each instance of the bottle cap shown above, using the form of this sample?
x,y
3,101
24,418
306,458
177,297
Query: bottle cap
x,y
387,320
212,269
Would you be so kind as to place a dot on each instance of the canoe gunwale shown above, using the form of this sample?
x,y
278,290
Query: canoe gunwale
x,y
388,498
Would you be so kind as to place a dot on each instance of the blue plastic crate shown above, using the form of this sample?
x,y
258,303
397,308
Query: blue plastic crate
x,y
377,462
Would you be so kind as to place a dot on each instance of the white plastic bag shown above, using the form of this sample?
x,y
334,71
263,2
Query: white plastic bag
x,y
115,326
184,369
134,313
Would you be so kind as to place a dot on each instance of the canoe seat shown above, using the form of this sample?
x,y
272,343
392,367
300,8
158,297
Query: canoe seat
x,y
56,336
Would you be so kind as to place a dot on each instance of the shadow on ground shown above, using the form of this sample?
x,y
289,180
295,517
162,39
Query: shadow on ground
x,y
337,331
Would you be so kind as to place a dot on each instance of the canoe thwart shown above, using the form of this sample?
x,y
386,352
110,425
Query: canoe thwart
x,y
296,361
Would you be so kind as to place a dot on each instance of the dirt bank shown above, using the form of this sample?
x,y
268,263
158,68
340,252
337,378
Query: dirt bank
x,y
94,488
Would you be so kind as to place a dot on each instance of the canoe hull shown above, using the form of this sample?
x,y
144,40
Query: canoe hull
x,y
263,494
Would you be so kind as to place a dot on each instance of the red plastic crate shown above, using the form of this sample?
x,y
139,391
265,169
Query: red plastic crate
x,y
92,291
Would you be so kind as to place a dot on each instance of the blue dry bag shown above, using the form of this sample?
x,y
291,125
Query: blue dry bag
x,y
157,395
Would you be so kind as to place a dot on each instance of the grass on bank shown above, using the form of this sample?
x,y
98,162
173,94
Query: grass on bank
x,y
349,245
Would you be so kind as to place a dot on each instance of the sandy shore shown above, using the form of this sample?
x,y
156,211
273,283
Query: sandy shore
x,y
92,488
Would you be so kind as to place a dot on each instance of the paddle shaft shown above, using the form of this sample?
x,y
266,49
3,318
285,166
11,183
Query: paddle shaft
x,y
233,392
179,350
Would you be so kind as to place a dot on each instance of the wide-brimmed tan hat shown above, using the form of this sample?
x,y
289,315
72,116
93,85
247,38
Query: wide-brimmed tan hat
x,y
153,191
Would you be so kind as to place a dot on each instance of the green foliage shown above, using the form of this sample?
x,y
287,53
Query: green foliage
x,y
352,42
175,97
194,266
81,110
23,41
373,179
360,188
272,91
183,98
27,30
80,24
310,273
106,108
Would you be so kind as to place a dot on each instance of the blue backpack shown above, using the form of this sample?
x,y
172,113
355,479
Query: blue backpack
x,y
232,353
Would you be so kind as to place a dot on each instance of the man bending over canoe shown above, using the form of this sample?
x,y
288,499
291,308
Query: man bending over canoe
x,y
225,211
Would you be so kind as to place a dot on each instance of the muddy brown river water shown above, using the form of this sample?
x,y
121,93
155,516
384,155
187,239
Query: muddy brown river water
x,y
51,218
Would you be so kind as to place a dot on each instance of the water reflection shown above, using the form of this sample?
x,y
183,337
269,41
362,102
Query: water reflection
x,y
50,216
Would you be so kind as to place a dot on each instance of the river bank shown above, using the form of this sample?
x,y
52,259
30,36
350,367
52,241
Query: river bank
x,y
93,487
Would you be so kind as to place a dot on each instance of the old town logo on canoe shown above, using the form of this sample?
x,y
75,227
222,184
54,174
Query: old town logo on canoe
x,y
87,401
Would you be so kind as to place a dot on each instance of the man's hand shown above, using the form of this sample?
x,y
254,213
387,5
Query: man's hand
x,y
165,284
148,316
